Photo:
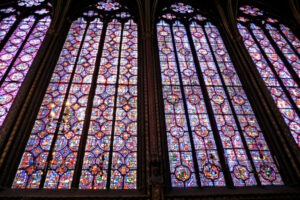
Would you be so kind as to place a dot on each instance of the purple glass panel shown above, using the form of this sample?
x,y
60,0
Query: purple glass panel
x,y
34,159
15,63
252,133
292,57
267,73
5,25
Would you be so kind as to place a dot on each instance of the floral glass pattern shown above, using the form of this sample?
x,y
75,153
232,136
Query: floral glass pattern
x,y
275,51
211,128
87,124
20,40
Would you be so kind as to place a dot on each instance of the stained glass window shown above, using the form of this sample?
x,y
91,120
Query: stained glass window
x,y
21,35
85,134
275,51
213,136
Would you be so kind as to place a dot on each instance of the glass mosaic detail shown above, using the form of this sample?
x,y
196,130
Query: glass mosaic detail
x,y
275,51
114,114
30,3
108,5
110,152
204,102
182,8
18,52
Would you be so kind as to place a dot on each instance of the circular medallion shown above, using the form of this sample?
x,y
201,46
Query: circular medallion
x,y
218,99
169,72
188,72
132,128
198,35
203,52
220,52
213,35
238,99
184,51
163,33
201,131
5,99
6,57
211,171
288,113
26,58
166,50
11,49
209,72
182,173
16,77
10,87
228,72
241,172
34,42
267,172
228,130
177,131
194,99
251,131
179,34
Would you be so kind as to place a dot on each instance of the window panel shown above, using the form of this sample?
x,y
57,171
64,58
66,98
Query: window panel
x,y
19,50
89,111
275,51
211,128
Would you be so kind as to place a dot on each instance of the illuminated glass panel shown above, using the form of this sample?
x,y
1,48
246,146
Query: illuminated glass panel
x,y
229,127
30,3
17,55
36,156
205,103
275,51
5,25
114,114
78,84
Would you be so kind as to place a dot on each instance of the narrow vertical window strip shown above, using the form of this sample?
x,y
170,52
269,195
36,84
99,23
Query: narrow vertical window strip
x,y
64,155
179,148
21,65
291,37
95,167
260,153
11,48
14,61
124,157
286,49
205,147
34,159
239,165
5,26
277,91
277,63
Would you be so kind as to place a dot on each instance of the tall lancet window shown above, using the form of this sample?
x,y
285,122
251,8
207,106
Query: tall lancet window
x,y
85,134
23,27
275,51
213,136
